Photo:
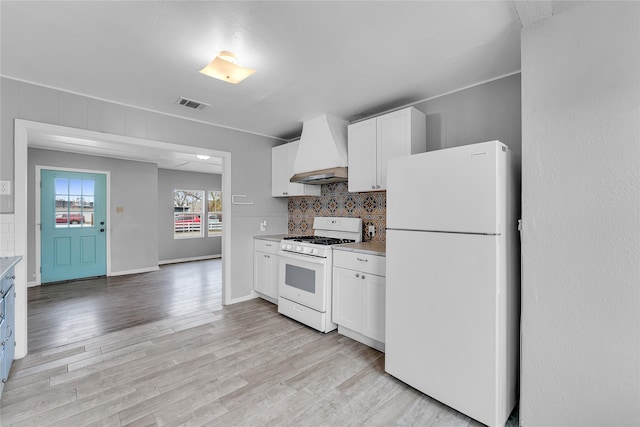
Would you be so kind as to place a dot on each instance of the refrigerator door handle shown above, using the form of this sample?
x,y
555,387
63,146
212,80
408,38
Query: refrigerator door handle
x,y
442,231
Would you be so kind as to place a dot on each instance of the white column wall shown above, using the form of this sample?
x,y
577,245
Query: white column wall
x,y
581,212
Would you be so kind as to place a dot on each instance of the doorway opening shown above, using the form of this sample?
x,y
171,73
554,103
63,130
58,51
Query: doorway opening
x,y
28,133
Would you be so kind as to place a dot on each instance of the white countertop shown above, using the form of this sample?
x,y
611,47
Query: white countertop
x,y
372,248
270,237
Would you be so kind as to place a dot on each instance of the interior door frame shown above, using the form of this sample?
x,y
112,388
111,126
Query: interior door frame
x,y
22,130
38,230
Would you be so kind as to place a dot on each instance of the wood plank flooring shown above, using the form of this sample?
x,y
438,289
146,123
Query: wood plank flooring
x,y
67,312
182,359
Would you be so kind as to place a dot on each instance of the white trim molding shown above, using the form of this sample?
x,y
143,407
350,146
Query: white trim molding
x,y
193,258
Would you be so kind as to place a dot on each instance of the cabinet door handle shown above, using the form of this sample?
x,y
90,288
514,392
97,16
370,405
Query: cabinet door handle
x,y
363,276
267,256
373,187
377,186
268,244
357,275
363,260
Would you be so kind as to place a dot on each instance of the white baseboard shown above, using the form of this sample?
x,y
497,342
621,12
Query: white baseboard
x,y
194,258
147,269
267,298
361,338
117,273
252,295
136,271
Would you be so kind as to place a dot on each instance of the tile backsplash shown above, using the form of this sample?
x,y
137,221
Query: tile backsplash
x,y
335,200
7,235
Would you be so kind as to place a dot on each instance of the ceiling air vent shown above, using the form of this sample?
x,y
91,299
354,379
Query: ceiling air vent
x,y
191,103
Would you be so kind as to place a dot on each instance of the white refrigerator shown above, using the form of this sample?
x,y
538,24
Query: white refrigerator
x,y
453,277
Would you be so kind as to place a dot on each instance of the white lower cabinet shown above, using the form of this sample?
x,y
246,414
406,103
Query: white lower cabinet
x,y
359,296
373,314
265,269
347,298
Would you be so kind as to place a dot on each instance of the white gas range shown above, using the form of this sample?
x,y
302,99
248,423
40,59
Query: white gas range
x,y
305,274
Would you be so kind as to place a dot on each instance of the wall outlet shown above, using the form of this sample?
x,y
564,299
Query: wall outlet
x,y
5,188
263,225
372,230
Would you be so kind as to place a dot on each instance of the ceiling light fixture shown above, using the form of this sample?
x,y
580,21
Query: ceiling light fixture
x,y
225,67
202,156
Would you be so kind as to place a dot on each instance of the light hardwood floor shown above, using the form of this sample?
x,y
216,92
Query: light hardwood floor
x,y
177,357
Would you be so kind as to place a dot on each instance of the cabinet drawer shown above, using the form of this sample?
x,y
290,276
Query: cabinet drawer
x,y
268,246
5,332
6,282
372,264
3,307
3,375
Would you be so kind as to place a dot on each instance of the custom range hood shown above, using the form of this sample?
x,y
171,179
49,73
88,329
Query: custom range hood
x,y
322,153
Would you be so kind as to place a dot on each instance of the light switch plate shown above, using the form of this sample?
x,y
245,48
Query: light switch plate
x,y
5,188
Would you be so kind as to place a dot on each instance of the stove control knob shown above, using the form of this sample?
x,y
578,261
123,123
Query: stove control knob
x,y
314,251
283,247
307,250
298,248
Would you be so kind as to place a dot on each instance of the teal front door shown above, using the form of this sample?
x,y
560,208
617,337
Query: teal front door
x,y
73,225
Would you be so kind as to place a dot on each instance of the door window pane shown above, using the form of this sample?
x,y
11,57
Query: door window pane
x,y
74,202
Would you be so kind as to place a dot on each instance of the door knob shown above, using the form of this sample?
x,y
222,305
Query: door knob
x,y
102,230
101,222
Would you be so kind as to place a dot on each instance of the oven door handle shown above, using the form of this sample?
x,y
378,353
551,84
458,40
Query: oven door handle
x,y
302,257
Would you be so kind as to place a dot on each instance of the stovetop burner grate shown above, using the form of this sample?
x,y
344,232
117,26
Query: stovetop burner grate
x,y
319,240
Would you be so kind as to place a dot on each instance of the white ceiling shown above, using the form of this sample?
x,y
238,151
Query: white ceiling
x,y
351,59
164,158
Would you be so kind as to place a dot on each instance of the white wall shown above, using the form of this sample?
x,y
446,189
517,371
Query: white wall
x,y
169,248
581,211
481,113
133,185
250,155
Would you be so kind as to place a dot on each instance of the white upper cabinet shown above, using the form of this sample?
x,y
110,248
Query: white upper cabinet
x,y
373,142
363,157
282,159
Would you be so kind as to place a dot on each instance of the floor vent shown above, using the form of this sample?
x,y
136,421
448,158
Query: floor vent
x,y
190,103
